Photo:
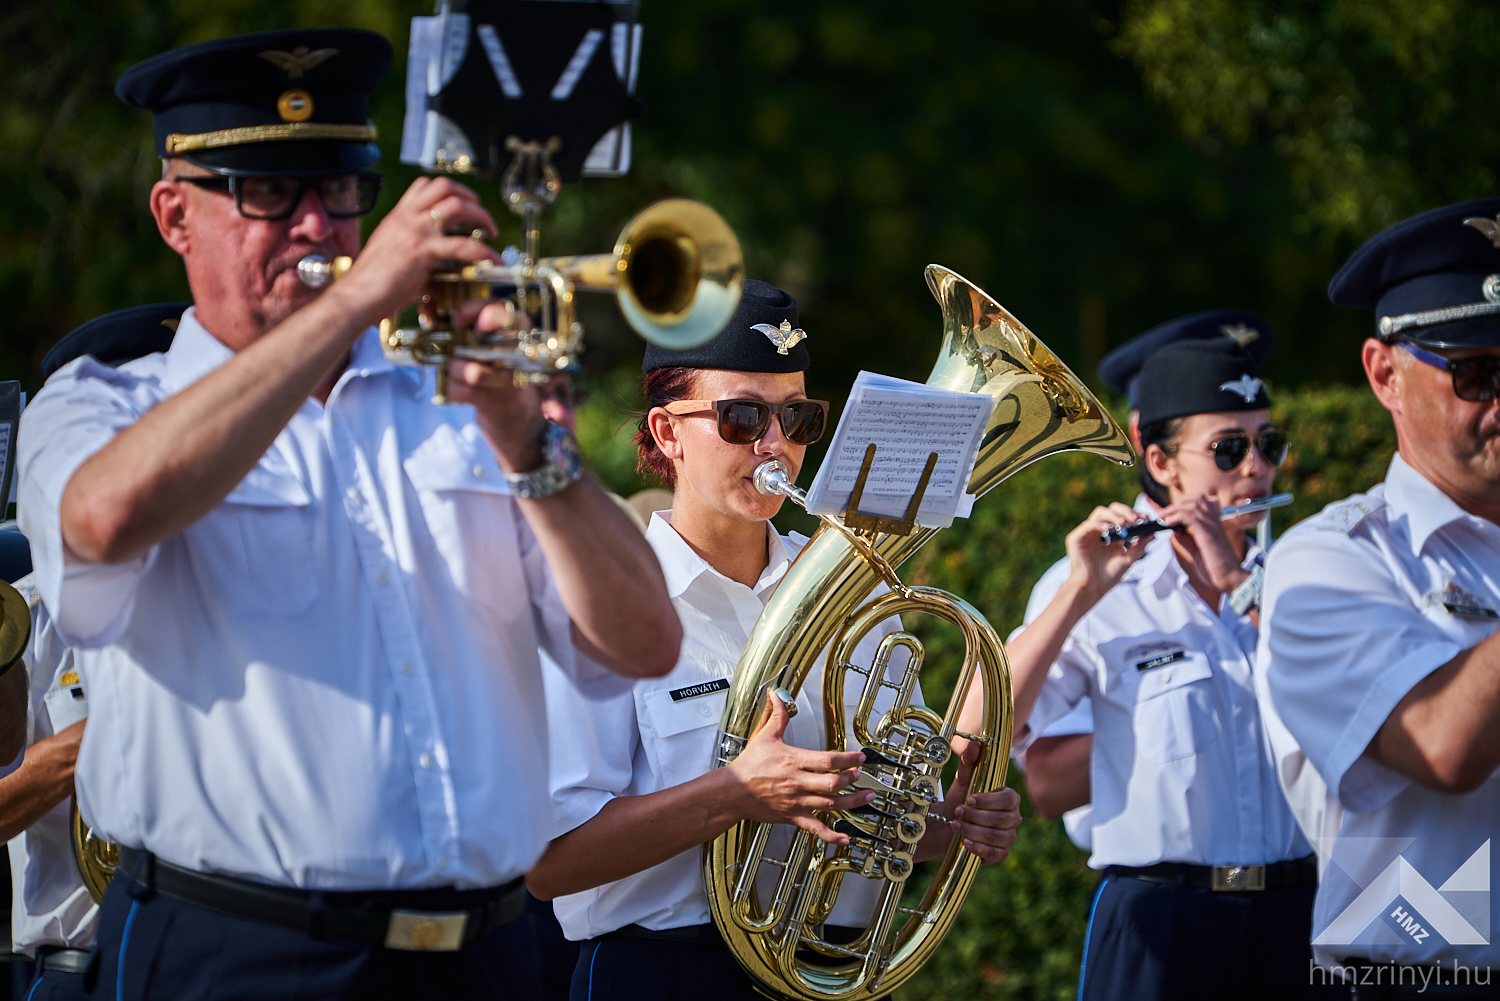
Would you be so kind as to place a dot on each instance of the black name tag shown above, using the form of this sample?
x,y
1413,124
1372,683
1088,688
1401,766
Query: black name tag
x,y
1471,611
1161,660
693,691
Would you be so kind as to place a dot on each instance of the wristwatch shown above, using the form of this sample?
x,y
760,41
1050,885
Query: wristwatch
x,y
562,465
1247,595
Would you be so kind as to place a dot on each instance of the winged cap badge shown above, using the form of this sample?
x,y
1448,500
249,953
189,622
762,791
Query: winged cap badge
x,y
784,337
299,60
1246,386
1240,334
1489,227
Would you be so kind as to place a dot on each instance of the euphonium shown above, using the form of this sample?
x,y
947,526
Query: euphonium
x,y
1041,408
675,272
96,858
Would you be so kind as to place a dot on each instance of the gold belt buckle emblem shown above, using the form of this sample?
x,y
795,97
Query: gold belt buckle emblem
x,y
425,931
1239,877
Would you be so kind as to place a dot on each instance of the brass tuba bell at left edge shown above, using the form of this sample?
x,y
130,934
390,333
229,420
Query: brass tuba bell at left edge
x,y
820,604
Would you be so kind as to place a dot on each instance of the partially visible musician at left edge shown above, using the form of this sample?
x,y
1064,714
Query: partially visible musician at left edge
x,y
308,600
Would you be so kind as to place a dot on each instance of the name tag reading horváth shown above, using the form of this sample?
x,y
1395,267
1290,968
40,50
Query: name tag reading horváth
x,y
1462,603
694,691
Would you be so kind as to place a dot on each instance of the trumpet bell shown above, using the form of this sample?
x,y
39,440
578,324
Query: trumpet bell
x,y
681,269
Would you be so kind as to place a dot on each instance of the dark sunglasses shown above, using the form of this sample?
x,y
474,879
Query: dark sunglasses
x,y
344,196
1231,450
744,421
1476,380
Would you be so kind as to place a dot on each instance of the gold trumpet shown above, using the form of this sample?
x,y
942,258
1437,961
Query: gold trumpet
x,y
1042,408
675,272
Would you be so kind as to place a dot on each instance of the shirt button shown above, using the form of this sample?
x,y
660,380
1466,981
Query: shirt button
x,y
443,861
478,472
355,495
407,669
705,711
382,579
426,762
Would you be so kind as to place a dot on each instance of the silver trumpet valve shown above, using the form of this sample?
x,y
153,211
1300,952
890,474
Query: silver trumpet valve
x,y
772,479
317,271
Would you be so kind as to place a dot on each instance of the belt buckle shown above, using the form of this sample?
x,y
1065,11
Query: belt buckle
x,y
426,931
1235,878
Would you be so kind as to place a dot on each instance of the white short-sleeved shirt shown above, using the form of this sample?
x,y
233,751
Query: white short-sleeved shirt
x,y
661,734
331,680
1180,770
49,904
1361,603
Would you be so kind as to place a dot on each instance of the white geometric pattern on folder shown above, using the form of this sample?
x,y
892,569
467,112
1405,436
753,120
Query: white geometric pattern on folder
x,y
1400,906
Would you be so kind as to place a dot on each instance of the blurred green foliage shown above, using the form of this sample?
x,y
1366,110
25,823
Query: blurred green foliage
x,y
1365,98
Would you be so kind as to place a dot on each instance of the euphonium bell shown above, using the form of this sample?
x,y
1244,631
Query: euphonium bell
x,y
821,604
675,272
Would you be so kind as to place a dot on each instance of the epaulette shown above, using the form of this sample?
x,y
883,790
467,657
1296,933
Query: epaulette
x,y
1345,515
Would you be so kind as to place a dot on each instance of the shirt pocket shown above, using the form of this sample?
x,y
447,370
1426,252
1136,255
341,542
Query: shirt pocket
x,y
1166,702
470,520
683,732
254,550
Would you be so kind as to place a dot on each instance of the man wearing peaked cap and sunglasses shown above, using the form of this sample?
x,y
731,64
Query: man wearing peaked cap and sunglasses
x,y
309,600
1379,641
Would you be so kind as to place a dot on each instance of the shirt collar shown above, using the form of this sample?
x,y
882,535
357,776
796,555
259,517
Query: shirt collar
x,y
1413,496
681,565
194,352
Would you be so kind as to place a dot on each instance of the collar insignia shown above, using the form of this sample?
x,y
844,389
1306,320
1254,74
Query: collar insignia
x,y
784,337
299,60
1246,386
1240,334
1489,227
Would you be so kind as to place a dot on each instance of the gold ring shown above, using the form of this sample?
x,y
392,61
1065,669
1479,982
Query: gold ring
x,y
437,217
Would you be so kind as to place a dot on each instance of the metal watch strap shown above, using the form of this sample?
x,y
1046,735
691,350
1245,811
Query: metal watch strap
x,y
1247,595
562,465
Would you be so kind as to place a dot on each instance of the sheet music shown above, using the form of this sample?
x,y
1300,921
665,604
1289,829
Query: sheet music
x,y
906,421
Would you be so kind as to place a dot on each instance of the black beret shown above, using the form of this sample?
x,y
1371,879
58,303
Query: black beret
x,y
740,347
272,103
15,556
1200,377
1433,279
1121,367
119,336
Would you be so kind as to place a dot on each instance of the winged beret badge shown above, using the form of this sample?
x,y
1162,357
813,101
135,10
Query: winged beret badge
x,y
784,337
1240,334
299,60
1246,386
1489,227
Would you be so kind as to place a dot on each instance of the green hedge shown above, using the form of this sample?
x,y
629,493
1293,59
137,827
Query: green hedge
x,y
1021,931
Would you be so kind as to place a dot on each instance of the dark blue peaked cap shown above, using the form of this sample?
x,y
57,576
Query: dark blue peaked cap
x,y
119,336
1121,368
1433,279
739,347
272,103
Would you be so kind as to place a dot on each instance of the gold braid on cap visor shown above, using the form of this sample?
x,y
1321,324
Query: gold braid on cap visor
x,y
179,143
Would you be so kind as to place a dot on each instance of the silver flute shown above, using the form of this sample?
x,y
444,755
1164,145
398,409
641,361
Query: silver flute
x,y
1124,533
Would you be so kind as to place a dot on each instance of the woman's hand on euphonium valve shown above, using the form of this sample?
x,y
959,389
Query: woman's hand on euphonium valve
x,y
778,783
987,822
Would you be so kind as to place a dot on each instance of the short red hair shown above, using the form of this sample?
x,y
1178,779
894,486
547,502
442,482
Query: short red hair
x,y
662,386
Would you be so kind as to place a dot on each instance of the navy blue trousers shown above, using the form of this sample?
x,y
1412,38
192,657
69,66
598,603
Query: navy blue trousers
x,y
1161,942
630,969
153,946
559,956
55,985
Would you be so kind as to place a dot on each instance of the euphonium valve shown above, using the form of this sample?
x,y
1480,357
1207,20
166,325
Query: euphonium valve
x,y
821,604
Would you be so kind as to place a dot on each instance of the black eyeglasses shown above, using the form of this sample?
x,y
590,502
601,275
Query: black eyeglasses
x,y
1231,450
744,421
1476,379
344,196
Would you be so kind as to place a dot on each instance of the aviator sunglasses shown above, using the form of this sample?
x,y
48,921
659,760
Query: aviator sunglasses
x,y
1476,380
744,421
1231,450
344,196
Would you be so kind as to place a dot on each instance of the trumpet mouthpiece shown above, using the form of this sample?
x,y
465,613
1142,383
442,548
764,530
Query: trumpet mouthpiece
x,y
316,271
771,478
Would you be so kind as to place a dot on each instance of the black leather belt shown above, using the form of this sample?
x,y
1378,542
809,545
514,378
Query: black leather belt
x,y
1228,878
436,920
62,960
